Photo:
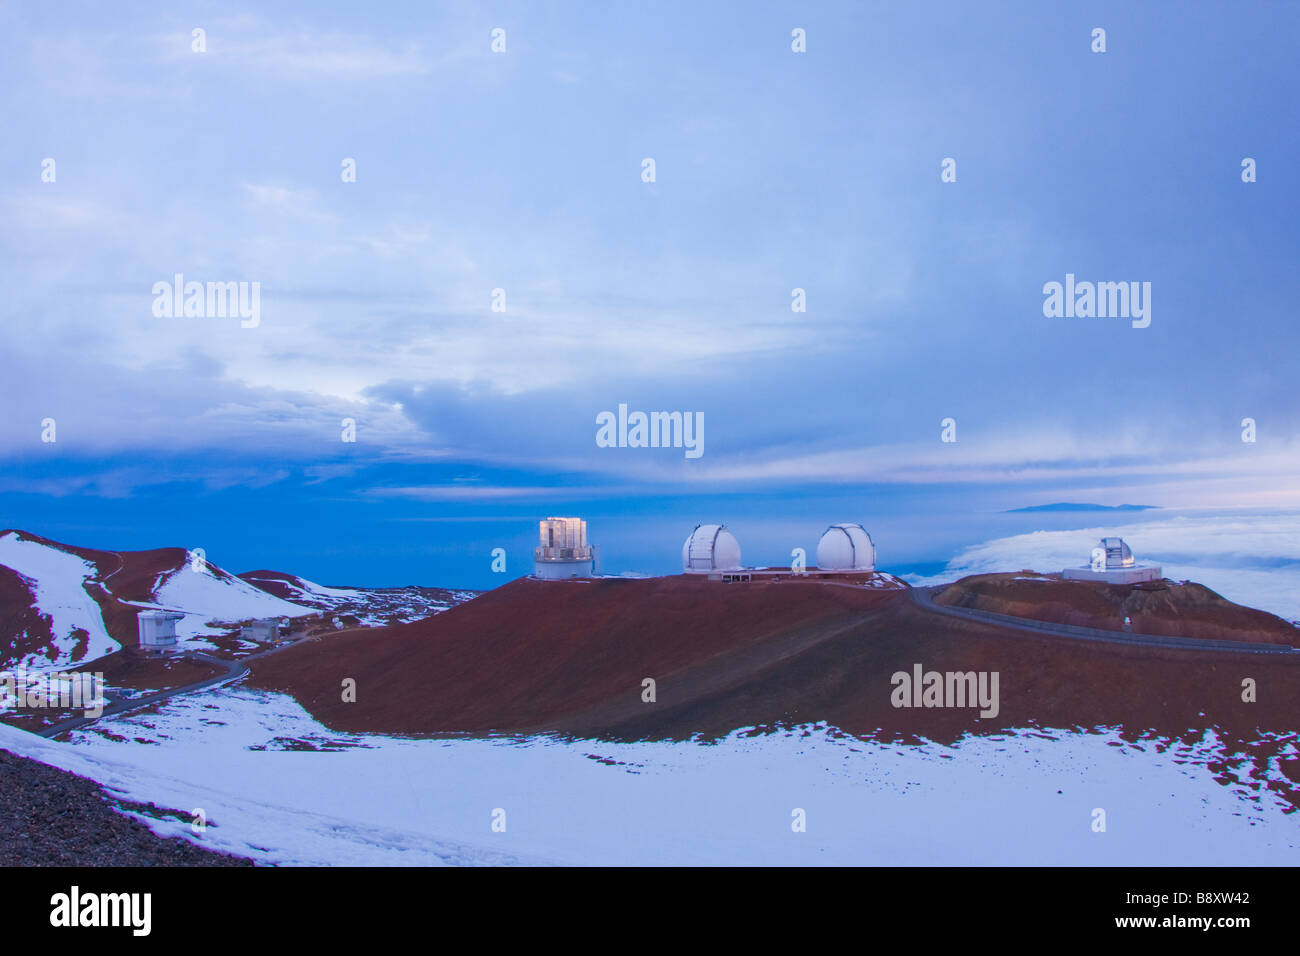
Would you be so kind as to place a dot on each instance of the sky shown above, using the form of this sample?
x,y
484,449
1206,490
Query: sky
x,y
523,171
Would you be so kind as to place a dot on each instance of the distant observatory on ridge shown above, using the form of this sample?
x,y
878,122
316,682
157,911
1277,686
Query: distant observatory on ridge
x,y
845,554
1112,562
846,547
563,551
710,547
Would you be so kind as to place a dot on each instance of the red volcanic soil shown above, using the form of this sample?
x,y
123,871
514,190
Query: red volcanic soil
x,y
23,630
527,653
570,657
131,574
275,583
1158,607
147,672
122,576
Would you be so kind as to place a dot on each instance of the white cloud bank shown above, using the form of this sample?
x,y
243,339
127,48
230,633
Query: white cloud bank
x,y
1250,559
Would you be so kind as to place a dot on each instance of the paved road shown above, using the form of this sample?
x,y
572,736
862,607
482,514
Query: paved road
x,y
230,671
925,598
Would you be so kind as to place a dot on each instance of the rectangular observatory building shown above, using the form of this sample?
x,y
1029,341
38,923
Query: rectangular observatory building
x,y
563,551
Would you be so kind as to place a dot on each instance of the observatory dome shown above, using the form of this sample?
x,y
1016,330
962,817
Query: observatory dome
x,y
710,547
846,547
1112,561
1118,554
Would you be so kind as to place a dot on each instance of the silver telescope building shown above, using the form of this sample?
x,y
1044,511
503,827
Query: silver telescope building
x,y
563,551
1112,562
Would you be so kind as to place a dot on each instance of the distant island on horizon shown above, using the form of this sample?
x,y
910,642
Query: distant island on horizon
x,y
1078,506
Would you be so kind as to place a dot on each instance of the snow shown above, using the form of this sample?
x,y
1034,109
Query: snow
x,y
57,579
309,590
204,595
320,590
381,801
882,580
1250,559
372,608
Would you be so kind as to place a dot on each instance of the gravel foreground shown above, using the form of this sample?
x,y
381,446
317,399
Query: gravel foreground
x,y
49,817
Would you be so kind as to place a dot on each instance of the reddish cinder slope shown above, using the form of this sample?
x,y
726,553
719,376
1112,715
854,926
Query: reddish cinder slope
x,y
1152,695
1159,607
127,576
122,576
531,654
1044,680
566,656
23,630
132,573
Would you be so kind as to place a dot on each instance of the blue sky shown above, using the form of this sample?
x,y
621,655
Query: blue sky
x,y
522,171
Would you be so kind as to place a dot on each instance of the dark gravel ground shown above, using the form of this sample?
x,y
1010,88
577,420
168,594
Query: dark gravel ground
x,y
49,817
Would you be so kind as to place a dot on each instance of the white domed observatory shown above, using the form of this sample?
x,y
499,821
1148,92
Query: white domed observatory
x,y
563,552
846,547
1112,562
710,548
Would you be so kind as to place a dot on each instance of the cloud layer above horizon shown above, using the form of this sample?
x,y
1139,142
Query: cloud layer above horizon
x,y
522,171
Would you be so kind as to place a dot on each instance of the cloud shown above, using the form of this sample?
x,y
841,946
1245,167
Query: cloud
x,y
253,42
298,202
185,406
53,211
479,172
1251,559
455,492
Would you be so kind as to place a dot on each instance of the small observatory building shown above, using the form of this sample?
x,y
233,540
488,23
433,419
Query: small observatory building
x,y
264,631
710,548
563,551
1112,562
846,547
158,629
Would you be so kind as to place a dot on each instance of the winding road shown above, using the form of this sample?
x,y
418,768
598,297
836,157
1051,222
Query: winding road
x,y
924,597
231,671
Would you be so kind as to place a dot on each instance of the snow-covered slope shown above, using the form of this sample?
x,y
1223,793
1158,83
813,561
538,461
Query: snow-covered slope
x,y
63,605
56,581
368,607
1025,797
210,598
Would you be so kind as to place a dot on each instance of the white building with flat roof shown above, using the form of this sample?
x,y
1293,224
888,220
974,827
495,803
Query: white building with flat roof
x,y
266,630
158,629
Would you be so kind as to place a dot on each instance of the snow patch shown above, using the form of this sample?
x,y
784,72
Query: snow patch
x,y
57,579
1021,797
216,596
